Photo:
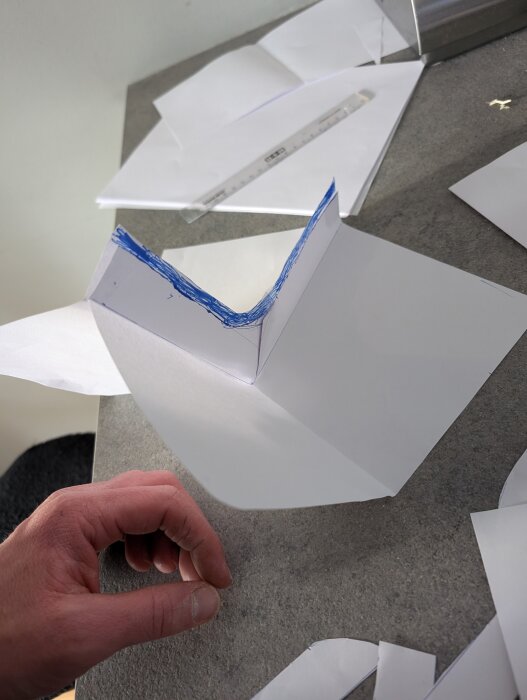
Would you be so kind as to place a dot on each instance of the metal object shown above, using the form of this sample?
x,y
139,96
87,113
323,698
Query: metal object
x,y
438,29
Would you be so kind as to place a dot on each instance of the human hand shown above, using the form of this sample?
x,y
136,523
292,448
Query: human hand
x,y
54,622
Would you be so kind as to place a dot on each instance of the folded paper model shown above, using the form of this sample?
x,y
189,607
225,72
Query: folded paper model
x,y
333,387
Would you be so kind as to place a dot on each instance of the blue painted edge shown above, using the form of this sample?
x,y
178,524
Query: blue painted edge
x,y
191,291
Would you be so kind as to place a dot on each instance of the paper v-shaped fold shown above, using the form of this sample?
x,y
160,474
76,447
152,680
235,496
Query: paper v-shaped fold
x,y
360,357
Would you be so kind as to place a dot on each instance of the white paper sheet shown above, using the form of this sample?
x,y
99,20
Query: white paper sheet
x,y
327,38
333,35
514,490
223,91
403,673
481,672
396,343
159,175
382,352
498,192
244,448
501,539
329,669
62,349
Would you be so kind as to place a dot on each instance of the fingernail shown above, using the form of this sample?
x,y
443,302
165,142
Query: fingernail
x,y
163,567
205,604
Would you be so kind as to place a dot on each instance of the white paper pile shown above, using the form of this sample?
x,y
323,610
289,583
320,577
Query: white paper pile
x,y
247,102
329,37
498,192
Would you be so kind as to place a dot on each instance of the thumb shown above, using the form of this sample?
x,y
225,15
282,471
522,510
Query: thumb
x,y
122,619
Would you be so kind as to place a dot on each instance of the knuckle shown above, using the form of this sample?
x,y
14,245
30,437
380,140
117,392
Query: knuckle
x,y
160,615
169,614
54,520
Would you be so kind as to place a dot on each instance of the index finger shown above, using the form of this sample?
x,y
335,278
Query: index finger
x,y
138,510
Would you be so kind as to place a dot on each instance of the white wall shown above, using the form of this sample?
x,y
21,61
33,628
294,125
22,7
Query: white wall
x,y
64,68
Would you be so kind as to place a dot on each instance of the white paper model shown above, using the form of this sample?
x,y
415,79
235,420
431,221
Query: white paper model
x,y
498,192
360,357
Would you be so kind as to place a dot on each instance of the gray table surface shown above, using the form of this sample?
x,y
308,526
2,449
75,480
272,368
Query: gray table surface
x,y
406,569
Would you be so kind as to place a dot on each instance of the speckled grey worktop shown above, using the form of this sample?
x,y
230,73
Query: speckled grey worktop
x,y
404,569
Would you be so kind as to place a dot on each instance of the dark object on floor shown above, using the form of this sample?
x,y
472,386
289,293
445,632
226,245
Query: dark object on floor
x,y
52,465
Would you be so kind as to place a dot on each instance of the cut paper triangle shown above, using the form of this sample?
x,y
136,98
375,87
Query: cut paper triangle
x,y
62,349
497,191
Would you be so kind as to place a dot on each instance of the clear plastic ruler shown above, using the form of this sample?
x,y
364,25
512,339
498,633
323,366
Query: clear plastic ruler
x,y
276,155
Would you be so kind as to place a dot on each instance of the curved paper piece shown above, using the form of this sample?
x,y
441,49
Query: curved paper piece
x,y
252,452
330,669
514,490
403,673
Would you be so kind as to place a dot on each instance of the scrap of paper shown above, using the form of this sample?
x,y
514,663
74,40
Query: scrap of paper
x,y
501,539
481,672
403,673
329,669
497,191
514,490
62,349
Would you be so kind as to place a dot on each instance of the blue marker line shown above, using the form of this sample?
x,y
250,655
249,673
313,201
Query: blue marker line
x,y
191,291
